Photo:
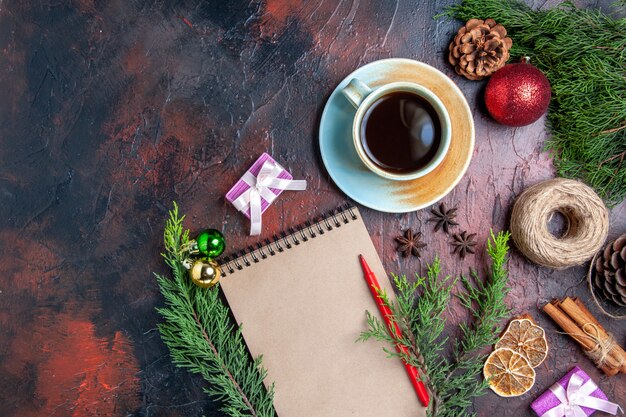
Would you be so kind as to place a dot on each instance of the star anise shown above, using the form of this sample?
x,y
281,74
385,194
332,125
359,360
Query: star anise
x,y
410,243
443,217
463,243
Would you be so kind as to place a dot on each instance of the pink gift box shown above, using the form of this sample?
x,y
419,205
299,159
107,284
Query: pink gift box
x,y
547,400
241,186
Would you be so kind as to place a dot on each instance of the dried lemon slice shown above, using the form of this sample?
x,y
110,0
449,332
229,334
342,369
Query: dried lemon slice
x,y
508,373
526,338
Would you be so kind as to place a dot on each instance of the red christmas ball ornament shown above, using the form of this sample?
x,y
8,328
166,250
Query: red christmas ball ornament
x,y
517,94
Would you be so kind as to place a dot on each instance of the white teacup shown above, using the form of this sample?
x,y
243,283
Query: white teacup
x,y
363,97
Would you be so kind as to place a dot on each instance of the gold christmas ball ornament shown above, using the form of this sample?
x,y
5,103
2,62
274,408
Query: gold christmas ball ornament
x,y
205,273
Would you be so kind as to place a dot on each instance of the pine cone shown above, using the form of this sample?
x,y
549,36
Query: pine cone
x,y
611,271
479,49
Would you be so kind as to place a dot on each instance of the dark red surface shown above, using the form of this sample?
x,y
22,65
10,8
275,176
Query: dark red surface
x,y
112,109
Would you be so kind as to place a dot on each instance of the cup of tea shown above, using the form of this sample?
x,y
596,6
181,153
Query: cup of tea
x,y
401,130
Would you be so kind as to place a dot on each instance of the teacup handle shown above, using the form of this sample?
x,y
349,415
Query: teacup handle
x,y
356,91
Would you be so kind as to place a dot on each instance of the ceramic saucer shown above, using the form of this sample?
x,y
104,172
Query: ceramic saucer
x,y
367,188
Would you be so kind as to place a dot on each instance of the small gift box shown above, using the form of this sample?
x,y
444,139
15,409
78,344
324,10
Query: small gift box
x,y
258,188
574,395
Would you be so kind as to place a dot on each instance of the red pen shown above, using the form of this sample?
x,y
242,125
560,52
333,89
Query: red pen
x,y
372,283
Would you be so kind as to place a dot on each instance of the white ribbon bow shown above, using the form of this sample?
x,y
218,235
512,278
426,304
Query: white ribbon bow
x,y
578,395
260,187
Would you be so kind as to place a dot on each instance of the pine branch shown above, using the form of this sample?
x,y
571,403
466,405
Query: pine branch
x,y
419,311
583,54
202,338
421,324
485,300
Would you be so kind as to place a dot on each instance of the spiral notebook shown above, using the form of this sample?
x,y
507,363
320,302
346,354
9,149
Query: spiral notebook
x,y
301,299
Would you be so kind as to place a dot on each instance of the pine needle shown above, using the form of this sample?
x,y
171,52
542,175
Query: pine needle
x,y
202,338
583,54
419,311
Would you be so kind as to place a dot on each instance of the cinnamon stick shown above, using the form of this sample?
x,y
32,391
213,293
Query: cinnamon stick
x,y
582,316
567,324
571,328
583,308
595,321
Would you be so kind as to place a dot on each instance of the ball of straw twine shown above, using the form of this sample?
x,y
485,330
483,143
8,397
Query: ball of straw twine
x,y
586,216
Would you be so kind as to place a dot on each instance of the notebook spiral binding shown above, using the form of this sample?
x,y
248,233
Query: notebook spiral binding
x,y
287,240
